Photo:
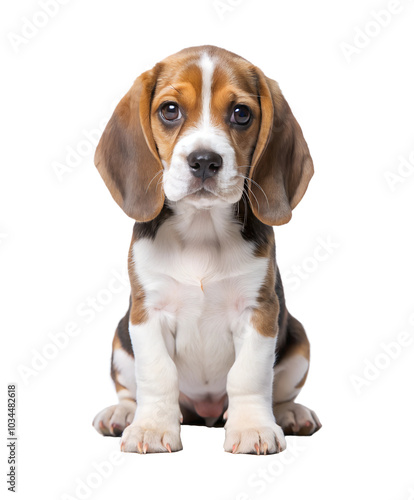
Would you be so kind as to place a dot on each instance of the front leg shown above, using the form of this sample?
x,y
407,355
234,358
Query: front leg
x,y
251,425
156,425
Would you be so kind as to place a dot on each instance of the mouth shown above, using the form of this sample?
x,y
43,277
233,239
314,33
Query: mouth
x,y
207,194
202,198
202,193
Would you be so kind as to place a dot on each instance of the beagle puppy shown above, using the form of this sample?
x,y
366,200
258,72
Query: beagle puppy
x,y
205,155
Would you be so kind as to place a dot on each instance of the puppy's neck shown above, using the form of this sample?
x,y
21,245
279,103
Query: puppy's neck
x,y
206,225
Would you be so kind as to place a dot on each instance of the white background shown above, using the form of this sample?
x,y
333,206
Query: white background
x,y
61,240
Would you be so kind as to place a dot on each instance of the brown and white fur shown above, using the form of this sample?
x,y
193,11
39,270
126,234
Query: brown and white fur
x,y
207,337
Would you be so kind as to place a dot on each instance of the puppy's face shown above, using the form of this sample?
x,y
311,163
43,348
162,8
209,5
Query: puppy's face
x,y
193,128
205,118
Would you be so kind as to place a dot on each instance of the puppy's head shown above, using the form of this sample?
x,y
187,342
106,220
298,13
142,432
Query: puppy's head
x,y
202,127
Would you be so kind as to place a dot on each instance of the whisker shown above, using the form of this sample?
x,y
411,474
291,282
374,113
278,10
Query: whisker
x,y
158,183
158,173
256,184
264,194
257,201
245,205
245,209
246,184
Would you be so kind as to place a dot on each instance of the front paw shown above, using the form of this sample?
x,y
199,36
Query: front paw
x,y
148,437
266,438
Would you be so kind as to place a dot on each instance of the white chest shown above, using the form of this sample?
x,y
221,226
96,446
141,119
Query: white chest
x,y
200,281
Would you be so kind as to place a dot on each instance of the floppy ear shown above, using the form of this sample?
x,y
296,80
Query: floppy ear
x,y
127,156
281,164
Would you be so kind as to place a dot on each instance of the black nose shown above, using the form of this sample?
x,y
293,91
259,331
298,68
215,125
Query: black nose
x,y
204,163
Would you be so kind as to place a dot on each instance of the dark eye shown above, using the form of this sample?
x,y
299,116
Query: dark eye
x,y
241,115
170,111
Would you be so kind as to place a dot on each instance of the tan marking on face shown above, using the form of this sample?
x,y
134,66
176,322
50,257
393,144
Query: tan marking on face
x,y
231,86
181,84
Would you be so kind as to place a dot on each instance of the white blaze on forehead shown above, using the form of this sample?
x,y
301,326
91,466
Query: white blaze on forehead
x,y
207,71
178,180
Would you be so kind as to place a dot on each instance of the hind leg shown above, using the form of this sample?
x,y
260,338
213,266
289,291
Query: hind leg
x,y
290,374
113,420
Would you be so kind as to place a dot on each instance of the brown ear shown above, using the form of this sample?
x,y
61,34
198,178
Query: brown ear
x,y
281,165
127,156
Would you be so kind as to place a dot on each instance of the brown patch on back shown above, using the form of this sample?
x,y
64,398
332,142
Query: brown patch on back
x,y
265,315
295,341
138,312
